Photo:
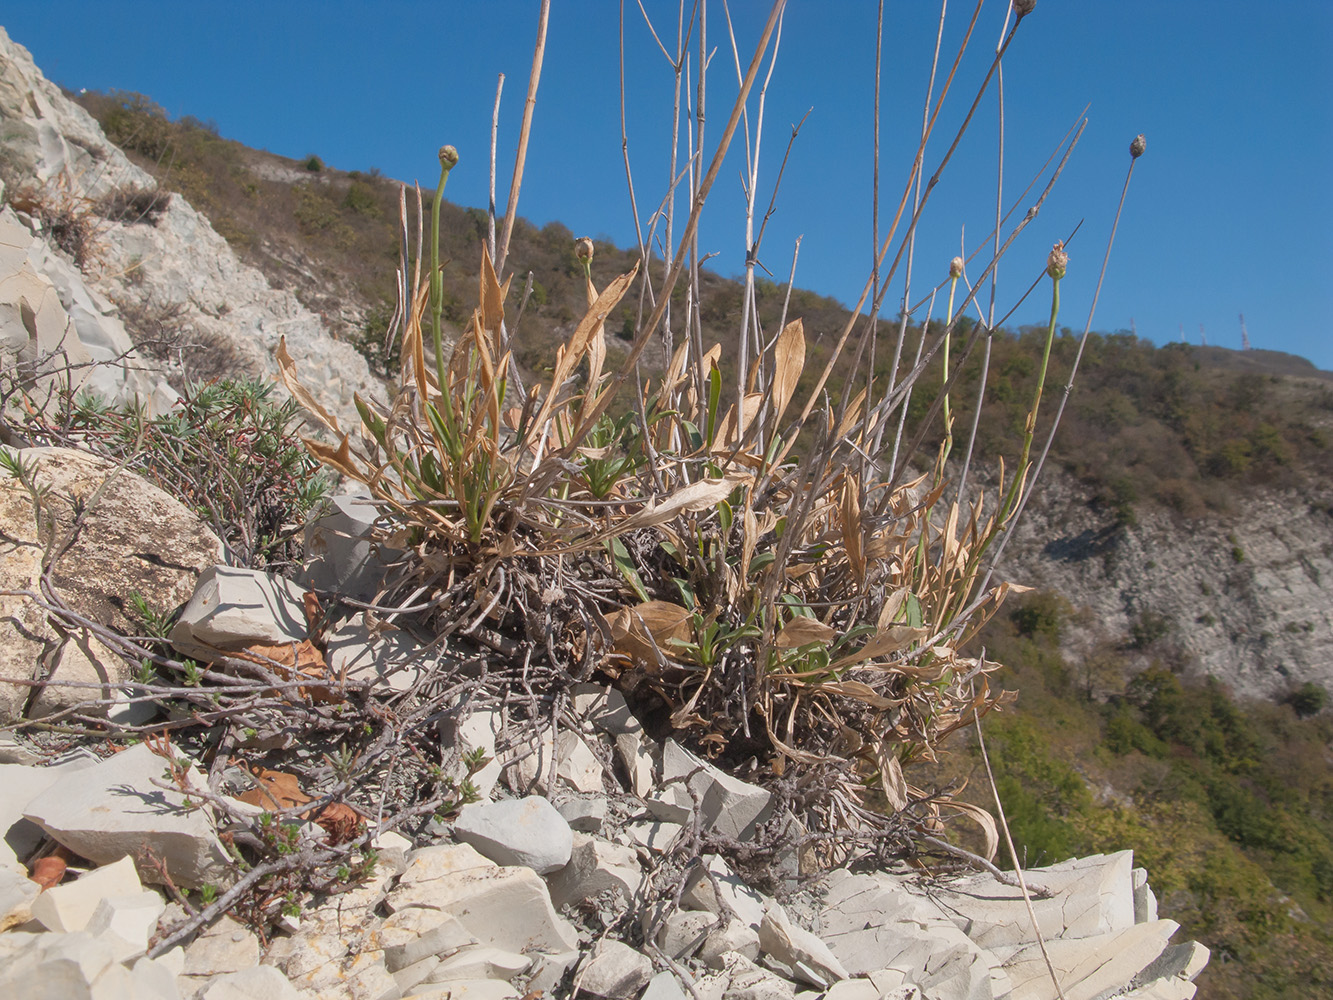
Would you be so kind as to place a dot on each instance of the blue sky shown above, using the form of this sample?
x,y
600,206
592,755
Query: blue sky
x,y
1230,211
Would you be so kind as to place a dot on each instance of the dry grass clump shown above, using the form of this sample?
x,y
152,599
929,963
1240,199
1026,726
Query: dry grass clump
x,y
761,573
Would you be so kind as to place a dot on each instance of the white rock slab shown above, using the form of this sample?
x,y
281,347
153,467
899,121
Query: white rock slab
x,y
226,946
633,752
390,660
17,893
1091,967
411,935
509,908
468,989
263,982
527,831
808,957
480,962
733,937
113,809
477,732
614,971
234,607
744,902
132,919
577,766
584,815
605,708
22,784
664,986
1092,895
340,555
69,907
730,807
596,865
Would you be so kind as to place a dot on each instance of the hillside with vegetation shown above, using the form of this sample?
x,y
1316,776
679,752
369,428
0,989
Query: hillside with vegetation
x,y
1228,803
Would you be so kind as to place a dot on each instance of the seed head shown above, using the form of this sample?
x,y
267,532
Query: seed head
x,y
1137,147
448,157
1024,7
583,248
956,267
1057,261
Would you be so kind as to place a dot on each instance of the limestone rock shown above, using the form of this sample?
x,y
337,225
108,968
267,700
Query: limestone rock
x,y
615,971
1089,967
261,982
134,539
525,831
22,784
1092,895
664,986
226,946
743,901
114,809
130,920
584,815
807,957
390,660
231,608
17,893
508,908
595,866
340,555
731,807
411,935
68,907
605,708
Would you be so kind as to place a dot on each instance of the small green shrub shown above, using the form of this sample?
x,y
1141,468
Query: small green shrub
x,y
313,163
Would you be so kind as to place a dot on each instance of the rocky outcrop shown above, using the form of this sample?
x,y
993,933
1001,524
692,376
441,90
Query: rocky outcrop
x,y
168,261
1246,598
116,535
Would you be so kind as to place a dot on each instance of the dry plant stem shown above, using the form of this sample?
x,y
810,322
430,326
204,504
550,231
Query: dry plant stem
x,y
495,132
624,147
961,492
748,307
999,874
1013,854
893,228
980,328
525,130
911,255
641,340
1069,385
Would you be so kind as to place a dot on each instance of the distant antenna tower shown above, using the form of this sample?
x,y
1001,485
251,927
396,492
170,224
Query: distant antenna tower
x,y
1244,334
1203,338
1132,328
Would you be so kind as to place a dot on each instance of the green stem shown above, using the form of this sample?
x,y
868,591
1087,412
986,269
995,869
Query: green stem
x,y
448,159
948,417
1012,498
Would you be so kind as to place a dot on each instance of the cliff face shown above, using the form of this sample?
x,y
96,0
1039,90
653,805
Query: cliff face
x,y
141,255
1247,598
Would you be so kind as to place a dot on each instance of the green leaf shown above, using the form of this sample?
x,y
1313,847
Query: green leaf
x,y
620,556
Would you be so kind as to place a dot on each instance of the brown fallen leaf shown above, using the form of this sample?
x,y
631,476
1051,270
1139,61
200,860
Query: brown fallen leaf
x,y
290,661
277,790
340,821
49,871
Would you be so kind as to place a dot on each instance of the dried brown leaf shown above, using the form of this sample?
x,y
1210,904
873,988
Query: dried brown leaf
x,y
801,631
788,363
287,375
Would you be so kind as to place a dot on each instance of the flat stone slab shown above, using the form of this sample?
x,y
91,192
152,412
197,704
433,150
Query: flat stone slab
x,y
527,831
113,809
507,908
731,807
232,608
